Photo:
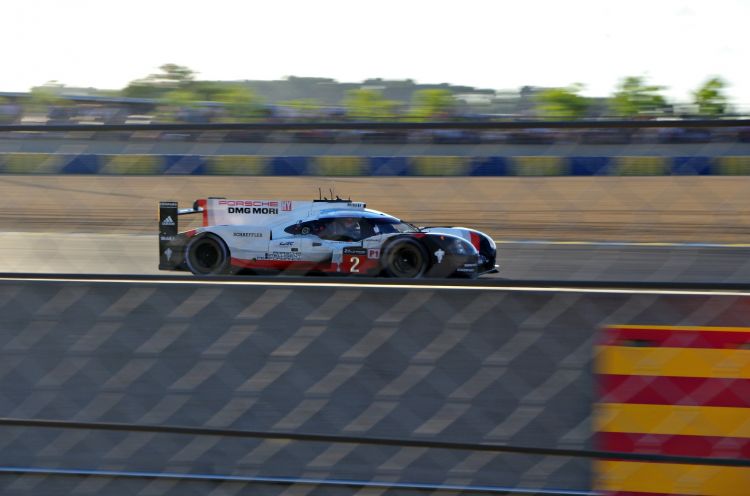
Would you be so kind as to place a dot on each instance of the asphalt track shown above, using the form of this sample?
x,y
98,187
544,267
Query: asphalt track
x,y
131,254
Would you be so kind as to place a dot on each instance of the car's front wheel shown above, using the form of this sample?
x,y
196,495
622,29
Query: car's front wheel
x,y
405,258
207,254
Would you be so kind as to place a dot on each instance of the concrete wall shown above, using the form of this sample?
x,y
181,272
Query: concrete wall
x,y
465,365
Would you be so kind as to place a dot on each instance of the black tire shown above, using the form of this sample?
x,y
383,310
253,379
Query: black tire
x,y
207,254
405,258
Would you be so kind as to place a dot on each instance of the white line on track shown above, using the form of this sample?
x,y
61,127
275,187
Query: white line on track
x,y
290,284
655,244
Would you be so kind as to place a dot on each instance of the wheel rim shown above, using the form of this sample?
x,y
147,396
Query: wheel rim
x,y
407,262
206,256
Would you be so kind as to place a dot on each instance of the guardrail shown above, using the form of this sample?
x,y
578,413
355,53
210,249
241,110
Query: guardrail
x,y
365,125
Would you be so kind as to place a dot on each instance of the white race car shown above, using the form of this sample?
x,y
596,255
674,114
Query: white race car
x,y
315,237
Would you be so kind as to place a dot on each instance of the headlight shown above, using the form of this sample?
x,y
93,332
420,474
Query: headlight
x,y
462,247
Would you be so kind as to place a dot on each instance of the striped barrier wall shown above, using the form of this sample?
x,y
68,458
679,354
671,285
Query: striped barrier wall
x,y
328,165
671,390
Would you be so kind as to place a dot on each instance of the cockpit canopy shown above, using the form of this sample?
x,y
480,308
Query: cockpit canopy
x,y
350,226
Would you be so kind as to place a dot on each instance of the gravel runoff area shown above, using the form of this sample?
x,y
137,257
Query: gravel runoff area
x,y
640,209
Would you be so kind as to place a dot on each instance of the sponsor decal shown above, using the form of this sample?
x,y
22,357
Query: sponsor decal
x,y
286,243
286,206
248,234
355,250
439,254
166,238
168,253
373,253
253,210
282,255
249,203
263,207
168,221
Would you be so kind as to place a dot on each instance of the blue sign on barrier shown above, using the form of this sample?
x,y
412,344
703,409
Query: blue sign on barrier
x,y
590,166
289,166
389,166
691,166
488,166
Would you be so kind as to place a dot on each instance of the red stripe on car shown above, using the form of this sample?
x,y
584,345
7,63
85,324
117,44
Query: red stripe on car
x,y
202,204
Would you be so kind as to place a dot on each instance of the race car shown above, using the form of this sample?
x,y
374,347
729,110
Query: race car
x,y
325,236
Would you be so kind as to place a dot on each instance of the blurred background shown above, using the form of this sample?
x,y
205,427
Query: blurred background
x,y
176,95
602,145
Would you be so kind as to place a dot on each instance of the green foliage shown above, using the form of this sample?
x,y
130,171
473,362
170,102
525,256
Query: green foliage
x,y
240,102
172,76
302,104
180,98
563,103
432,103
45,96
710,97
635,97
369,104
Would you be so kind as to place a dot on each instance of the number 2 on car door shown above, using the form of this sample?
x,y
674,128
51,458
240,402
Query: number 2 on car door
x,y
355,264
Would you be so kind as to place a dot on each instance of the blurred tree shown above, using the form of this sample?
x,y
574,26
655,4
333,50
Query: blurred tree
x,y
563,103
172,76
432,103
240,102
48,94
710,97
207,91
300,108
303,104
369,104
181,98
236,102
47,102
634,97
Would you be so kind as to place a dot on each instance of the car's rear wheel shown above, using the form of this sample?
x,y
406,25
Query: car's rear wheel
x,y
405,258
207,254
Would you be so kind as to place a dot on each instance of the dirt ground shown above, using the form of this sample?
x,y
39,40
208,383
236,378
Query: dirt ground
x,y
648,209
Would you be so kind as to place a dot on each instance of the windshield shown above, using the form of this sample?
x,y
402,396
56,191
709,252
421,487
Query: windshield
x,y
387,226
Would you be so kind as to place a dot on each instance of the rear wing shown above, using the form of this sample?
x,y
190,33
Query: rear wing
x,y
169,227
